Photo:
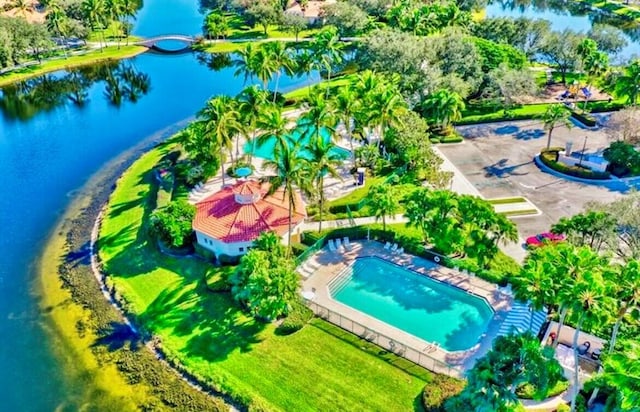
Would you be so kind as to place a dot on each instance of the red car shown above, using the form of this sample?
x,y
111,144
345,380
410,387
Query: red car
x,y
538,240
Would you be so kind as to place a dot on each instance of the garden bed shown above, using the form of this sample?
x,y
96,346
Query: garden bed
x,y
549,159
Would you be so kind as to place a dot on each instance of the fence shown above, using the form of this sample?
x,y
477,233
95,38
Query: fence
x,y
415,355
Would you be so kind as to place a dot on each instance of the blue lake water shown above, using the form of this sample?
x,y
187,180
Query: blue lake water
x,y
423,307
47,154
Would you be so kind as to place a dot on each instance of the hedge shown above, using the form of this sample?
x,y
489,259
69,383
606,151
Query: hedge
x,y
549,159
299,315
584,118
438,390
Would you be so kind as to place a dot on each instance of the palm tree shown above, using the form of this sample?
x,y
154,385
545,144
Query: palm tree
x,y
265,66
629,83
347,104
622,371
252,102
216,25
388,106
324,161
327,51
304,65
367,86
590,292
57,22
281,59
533,284
320,115
114,11
220,118
95,15
273,126
383,201
443,107
245,64
291,171
555,116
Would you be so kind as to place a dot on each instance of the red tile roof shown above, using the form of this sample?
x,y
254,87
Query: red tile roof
x,y
221,216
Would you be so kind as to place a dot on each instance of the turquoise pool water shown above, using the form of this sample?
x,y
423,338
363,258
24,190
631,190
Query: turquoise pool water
x,y
428,309
265,151
244,171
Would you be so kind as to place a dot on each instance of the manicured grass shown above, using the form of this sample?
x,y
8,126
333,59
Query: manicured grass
x,y
507,200
238,29
313,369
359,194
92,57
334,83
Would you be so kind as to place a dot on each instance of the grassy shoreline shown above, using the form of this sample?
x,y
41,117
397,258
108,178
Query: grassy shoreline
x,y
86,59
100,371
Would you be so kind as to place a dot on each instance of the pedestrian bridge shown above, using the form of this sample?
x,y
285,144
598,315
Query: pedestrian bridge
x,y
153,43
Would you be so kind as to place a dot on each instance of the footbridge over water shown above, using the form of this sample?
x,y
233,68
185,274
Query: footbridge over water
x,y
152,43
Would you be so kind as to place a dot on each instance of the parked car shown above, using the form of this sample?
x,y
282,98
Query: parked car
x,y
541,238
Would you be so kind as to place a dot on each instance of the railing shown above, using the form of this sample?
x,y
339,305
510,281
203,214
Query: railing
x,y
319,244
415,355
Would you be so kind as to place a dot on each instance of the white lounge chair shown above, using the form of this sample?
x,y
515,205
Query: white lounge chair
x,y
387,245
394,247
400,251
339,245
346,243
332,246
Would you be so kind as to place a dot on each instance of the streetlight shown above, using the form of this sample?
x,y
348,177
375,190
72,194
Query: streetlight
x,y
584,147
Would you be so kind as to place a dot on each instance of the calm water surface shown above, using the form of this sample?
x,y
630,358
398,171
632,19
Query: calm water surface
x,y
46,155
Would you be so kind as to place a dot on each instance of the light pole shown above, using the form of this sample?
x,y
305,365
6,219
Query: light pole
x,y
584,147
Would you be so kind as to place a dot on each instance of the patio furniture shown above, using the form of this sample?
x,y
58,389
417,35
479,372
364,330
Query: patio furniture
x,y
394,247
387,245
346,242
595,355
400,251
338,245
332,246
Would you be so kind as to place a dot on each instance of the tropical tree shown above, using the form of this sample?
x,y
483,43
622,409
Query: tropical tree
x,y
95,15
216,25
347,104
622,371
200,148
291,171
293,23
320,115
252,103
628,84
172,223
434,213
323,161
383,202
245,63
273,126
57,22
534,284
387,109
443,108
626,287
265,66
304,65
280,57
221,123
367,86
555,116
327,51
594,229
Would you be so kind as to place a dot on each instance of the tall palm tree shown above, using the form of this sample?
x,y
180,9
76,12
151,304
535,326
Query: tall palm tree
x,y
95,15
388,106
367,86
320,115
282,60
265,66
57,22
323,160
383,201
556,115
245,63
327,51
274,126
291,171
252,102
347,104
443,107
114,10
220,118
629,83
304,65
533,284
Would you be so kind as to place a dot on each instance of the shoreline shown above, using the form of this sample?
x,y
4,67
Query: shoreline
x,y
88,58
91,374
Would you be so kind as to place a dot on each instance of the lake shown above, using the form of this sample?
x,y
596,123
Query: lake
x,y
50,146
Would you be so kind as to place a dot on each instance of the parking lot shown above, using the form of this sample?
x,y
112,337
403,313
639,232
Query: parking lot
x,y
497,159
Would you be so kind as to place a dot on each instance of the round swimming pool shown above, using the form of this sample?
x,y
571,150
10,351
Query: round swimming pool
x,y
243,171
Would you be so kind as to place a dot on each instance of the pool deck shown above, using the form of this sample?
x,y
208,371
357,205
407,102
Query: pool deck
x,y
325,265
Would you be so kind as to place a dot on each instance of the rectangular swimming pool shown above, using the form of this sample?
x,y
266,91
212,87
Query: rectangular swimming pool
x,y
424,307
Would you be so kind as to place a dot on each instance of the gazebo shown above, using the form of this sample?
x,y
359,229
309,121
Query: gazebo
x,y
227,222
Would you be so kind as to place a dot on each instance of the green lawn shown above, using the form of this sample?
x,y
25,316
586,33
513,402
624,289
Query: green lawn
x,y
317,368
238,29
92,57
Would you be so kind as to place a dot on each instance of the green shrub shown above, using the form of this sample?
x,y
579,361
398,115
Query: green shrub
x,y
584,118
298,316
452,138
298,248
438,390
527,391
549,159
172,224
624,158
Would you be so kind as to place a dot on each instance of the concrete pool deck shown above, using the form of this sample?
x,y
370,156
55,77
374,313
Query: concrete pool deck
x,y
326,265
